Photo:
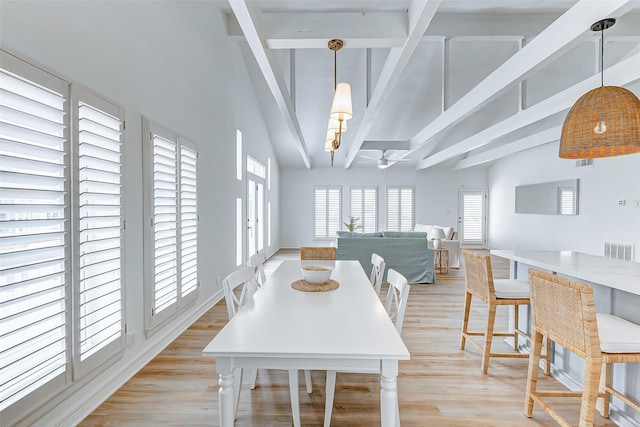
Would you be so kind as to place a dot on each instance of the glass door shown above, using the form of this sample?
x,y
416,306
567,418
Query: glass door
x,y
255,215
472,218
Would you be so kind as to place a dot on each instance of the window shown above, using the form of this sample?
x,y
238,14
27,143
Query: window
x,y
239,223
239,171
328,211
364,205
268,173
255,167
61,291
567,200
172,233
400,205
268,223
473,217
98,228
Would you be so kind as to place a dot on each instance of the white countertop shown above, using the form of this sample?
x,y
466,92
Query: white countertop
x,y
614,273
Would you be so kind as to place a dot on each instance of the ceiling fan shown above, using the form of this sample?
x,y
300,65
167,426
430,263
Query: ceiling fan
x,y
383,161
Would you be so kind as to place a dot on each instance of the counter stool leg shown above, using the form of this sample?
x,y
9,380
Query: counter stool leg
x,y
465,320
532,373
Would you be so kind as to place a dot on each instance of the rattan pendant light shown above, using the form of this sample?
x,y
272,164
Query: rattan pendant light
x,y
603,122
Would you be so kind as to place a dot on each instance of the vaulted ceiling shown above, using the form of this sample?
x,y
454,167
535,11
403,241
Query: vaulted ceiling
x,y
456,83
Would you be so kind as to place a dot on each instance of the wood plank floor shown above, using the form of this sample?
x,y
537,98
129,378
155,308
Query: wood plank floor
x,y
440,386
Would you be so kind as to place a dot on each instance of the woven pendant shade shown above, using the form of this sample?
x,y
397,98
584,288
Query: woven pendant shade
x,y
583,133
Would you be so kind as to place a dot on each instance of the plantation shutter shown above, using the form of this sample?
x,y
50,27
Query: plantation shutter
x,y
165,214
400,208
567,201
406,209
328,211
473,217
34,231
393,209
364,203
171,242
188,218
100,224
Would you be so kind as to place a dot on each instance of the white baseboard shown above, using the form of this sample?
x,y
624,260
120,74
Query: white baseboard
x,y
103,388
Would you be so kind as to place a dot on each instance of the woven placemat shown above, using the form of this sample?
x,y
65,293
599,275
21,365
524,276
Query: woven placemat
x,y
303,285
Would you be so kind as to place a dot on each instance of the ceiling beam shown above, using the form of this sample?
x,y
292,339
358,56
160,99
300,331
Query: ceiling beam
x,y
421,13
547,45
534,140
311,30
623,73
248,15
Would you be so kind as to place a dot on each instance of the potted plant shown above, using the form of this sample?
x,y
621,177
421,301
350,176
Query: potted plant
x,y
353,225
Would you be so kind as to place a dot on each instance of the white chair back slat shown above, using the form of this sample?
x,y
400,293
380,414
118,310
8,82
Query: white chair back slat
x,y
377,272
258,260
245,277
397,297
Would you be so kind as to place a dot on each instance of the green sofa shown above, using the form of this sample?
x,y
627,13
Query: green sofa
x,y
405,252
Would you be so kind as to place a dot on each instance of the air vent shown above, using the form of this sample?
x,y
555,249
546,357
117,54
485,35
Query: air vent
x,y
619,251
584,162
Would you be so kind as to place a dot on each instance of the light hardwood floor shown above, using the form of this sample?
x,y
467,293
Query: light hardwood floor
x,y
440,386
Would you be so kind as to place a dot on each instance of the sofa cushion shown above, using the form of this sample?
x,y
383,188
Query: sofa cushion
x,y
356,234
448,232
423,228
412,234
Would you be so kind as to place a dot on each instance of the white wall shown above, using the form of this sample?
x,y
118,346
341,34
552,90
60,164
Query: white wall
x,y
436,195
600,217
172,62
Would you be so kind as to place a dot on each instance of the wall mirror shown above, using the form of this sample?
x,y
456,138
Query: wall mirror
x,y
548,198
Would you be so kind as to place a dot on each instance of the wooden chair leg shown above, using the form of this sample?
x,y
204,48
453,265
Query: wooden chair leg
x,y
329,394
590,393
515,327
606,383
465,319
488,337
532,373
547,352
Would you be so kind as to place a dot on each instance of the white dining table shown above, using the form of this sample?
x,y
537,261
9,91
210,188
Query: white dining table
x,y
345,329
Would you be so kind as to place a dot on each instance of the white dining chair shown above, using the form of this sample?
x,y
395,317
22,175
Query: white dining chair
x,y
377,272
235,299
257,260
395,304
238,287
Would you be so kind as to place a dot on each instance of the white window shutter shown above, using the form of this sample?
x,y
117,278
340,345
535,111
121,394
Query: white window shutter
x,y
99,225
370,209
34,229
364,205
473,217
165,214
320,213
188,219
334,218
171,240
400,208
328,211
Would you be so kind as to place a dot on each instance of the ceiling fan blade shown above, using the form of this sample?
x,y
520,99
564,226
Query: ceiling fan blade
x,y
369,157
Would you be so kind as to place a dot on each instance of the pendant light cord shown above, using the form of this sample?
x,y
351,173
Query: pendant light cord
x,y
602,56
335,70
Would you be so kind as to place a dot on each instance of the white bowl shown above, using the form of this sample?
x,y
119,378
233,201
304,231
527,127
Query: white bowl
x,y
316,273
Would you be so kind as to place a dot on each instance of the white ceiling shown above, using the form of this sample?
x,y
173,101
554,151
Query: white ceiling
x,y
460,83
